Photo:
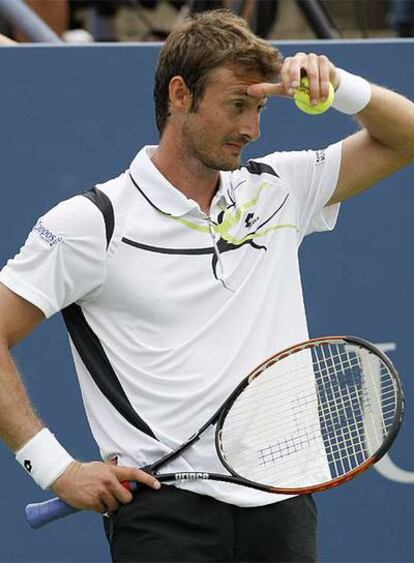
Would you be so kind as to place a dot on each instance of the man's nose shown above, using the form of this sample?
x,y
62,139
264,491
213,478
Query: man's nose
x,y
250,126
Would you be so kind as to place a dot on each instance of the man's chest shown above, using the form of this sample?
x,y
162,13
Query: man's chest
x,y
169,268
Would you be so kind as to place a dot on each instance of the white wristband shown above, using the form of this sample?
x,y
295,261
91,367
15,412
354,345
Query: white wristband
x,y
353,93
44,458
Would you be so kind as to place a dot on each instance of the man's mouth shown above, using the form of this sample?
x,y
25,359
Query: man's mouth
x,y
235,145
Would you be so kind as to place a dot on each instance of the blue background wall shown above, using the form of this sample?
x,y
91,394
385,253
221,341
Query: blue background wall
x,y
73,116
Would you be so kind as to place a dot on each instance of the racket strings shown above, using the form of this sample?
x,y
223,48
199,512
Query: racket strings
x,y
369,410
341,426
316,414
264,393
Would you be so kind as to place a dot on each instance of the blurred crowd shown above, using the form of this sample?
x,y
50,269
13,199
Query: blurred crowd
x,y
152,20
134,20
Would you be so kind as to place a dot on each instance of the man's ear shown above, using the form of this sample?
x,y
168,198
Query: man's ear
x,y
180,95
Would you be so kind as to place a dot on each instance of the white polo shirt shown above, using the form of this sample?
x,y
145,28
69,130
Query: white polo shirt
x,y
167,318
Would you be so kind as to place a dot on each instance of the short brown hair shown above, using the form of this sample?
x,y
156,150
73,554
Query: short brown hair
x,y
203,42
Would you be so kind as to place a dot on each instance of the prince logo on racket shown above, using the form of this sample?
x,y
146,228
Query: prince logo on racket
x,y
170,305
192,476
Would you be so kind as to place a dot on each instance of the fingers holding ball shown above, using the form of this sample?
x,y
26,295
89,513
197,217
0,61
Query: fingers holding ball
x,y
303,100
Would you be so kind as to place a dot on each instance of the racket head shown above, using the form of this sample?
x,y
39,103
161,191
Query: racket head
x,y
338,418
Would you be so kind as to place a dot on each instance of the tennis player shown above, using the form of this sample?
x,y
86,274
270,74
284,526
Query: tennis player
x,y
178,277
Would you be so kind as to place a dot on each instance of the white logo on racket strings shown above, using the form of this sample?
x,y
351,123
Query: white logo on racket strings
x,y
45,235
190,476
386,467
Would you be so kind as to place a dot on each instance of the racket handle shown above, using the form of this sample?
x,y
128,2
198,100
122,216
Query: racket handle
x,y
39,514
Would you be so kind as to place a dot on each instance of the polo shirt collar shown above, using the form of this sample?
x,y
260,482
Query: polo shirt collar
x,y
160,193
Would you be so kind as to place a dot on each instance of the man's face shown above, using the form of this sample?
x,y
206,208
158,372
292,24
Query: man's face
x,y
225,120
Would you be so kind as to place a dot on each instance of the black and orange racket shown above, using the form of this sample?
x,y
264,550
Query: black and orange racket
x,y
307,419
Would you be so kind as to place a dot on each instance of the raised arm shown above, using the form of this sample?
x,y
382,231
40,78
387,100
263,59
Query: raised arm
x,y
386,141
384,145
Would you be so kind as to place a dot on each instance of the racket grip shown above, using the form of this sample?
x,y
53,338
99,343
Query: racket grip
x,y
41,513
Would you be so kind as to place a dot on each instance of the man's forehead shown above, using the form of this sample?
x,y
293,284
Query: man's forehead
x,y
235,80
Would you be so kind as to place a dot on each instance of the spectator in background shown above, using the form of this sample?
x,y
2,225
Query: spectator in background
x,y
94,20
401,17
56,14
5,29
260,15
53,12
97,16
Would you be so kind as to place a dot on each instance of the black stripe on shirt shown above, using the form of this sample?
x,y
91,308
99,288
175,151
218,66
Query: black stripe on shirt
x,y
259,168
99,367
103,203
162,250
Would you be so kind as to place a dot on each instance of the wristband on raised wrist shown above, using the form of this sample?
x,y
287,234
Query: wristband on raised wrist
x,y
44,458
353,93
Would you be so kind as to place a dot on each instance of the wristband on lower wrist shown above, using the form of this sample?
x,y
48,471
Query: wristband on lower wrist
x,y
353,93
44,458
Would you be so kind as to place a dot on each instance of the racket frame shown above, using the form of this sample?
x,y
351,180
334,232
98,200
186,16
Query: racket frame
x,y
40,514
307,345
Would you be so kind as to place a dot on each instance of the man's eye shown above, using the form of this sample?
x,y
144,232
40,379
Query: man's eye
x,y
238,104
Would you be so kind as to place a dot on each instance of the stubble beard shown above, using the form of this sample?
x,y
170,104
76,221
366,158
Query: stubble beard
x,y
220,163
202,152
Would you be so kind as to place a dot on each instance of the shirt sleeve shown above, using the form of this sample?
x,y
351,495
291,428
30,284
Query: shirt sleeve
x,y
63,259
311,178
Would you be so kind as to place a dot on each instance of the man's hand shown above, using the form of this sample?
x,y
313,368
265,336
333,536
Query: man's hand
x,y
318,68
98,486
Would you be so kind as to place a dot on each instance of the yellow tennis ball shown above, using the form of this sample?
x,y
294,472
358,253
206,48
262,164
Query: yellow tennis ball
x,y
302,99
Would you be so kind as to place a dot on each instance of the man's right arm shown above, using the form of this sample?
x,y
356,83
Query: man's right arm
x,y
18,420
93,486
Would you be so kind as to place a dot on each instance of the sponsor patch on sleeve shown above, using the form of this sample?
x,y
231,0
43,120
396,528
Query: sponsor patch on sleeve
x,y
46,235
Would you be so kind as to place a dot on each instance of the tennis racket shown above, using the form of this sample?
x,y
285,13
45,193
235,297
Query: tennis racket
x,y
308,419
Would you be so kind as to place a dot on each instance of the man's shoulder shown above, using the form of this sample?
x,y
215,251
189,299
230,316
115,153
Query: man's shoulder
x,y
268,167
290,163
120,192
258,167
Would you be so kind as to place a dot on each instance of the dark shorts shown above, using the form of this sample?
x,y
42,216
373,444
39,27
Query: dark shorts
x,y
176,525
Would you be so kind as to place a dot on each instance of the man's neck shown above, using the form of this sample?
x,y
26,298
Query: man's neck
x,y
185,173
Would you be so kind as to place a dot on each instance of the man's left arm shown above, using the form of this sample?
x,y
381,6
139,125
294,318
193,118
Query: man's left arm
x,y
384,145
386,142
